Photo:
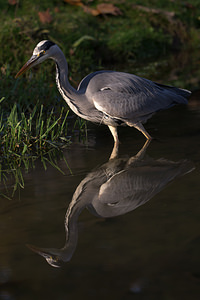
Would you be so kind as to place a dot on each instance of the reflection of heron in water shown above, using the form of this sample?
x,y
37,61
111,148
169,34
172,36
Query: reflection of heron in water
x,y
115,188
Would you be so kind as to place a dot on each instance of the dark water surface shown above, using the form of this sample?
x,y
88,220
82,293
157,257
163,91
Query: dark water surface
x,y
122,229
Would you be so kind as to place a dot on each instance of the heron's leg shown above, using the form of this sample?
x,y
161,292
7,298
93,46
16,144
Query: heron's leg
x,y
141,128
116,140
140,154
114,134
114,153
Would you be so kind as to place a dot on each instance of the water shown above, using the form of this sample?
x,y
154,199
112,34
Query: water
x,y
148,245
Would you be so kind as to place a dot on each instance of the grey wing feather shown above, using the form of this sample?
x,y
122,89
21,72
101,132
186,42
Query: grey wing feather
x,y
130,188
127,97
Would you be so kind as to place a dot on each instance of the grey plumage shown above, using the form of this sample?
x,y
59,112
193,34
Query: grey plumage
x,y
109,97
127,97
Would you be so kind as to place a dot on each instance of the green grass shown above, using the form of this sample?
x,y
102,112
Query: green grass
x,y
25,135
136,34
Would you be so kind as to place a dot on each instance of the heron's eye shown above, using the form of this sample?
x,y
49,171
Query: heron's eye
x,y
41,53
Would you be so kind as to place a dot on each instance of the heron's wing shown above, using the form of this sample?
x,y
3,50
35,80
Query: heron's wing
x,y
126,96
132,187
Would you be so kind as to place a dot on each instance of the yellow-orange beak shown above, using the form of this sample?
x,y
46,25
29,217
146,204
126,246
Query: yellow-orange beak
x,y
31,62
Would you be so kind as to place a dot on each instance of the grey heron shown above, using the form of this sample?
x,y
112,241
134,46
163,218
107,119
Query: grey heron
x,y
109,97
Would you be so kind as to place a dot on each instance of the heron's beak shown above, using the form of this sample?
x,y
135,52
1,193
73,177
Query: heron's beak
x,y
31,62
49,254
45,252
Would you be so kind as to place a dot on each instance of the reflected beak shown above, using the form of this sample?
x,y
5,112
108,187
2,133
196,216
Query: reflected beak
x,y
31,62
51,255
45,252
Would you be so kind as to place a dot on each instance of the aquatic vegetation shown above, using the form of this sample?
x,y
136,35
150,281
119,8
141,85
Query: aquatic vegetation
x,y
29,136
36,133
14,170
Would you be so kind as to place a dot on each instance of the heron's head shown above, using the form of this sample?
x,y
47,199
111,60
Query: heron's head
x,y
52,256
42,51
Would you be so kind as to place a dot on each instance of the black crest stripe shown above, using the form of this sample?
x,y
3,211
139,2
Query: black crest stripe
x,y
46,45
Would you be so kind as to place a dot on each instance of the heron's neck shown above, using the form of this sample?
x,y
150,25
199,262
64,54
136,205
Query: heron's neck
x,y
68,93
71,230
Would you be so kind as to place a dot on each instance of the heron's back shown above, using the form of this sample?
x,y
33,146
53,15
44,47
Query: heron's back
x,y
128,97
